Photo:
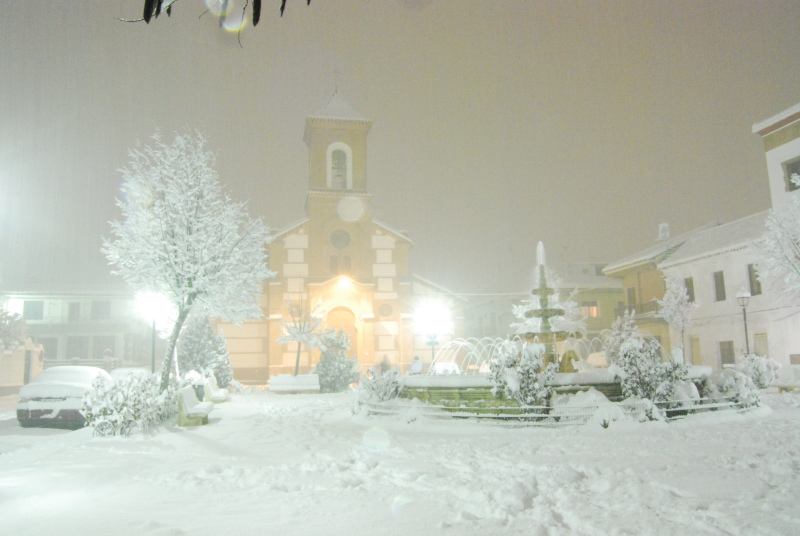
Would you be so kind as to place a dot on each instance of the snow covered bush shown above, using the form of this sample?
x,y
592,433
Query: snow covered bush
x,y
381,386
761,370
335,370
201,350
730,385
520,373
118,407
644,374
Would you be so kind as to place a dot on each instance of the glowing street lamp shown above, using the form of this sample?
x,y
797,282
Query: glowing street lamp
x,y
432,318
743,297
153,307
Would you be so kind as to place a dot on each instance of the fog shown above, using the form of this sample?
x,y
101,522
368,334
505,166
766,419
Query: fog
x,y
496,123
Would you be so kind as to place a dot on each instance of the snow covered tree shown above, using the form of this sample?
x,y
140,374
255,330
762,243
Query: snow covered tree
x,y
519,371
622,329
182,235
12,328
303,325
778,250
336,371
676,308
201,350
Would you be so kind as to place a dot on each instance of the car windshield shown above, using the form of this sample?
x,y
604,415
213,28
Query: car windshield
x,y
67,374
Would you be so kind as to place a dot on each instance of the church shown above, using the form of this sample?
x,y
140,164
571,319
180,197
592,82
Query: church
x,y
351,271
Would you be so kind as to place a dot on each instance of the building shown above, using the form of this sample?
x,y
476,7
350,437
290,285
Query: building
x,y
717,264
351,270
84,327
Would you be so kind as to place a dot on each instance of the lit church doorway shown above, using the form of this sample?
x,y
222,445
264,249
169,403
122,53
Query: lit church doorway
x,y
343,318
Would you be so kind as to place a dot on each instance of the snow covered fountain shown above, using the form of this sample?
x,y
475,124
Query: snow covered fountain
x,y
465,372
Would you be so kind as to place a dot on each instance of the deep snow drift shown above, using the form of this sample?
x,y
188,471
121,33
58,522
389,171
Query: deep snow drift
x,y
301,465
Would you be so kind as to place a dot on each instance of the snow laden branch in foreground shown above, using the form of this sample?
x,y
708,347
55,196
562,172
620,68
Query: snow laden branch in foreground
x,y
182,235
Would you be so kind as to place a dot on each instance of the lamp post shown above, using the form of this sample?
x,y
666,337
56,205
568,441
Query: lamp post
x,y
432,342
152,306
432,318
743,297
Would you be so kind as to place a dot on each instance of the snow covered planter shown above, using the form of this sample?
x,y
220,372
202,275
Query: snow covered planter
x,y
118,407
380,387
520,374
730,385
761,370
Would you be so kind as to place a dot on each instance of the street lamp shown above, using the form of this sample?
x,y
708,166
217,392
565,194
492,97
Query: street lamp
x,y
432,318
152,306
743,297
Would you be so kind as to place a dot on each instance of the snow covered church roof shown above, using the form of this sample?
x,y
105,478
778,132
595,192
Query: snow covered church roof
x,y
338,108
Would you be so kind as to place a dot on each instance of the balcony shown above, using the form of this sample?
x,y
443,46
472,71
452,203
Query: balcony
x,y
641,309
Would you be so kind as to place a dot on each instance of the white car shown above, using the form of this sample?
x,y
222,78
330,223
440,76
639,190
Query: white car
x,y
53,398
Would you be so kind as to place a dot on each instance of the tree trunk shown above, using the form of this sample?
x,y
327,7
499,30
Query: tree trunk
x,y
297,361
183,312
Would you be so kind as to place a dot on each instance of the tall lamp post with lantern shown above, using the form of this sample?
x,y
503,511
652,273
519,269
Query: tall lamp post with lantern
x,y
432,318
152,306
743,297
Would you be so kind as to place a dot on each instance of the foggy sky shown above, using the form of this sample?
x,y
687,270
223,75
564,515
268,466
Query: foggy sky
x,y
496,123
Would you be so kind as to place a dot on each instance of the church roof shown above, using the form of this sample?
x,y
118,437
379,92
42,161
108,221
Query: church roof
x,y
338,108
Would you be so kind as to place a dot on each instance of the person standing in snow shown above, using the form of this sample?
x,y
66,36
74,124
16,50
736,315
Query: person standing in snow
x,y
416,366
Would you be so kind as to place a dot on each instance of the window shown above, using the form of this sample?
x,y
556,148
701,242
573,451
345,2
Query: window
x,y
755,282
77,347
689,284
589,308
50,346
794,359
630,294
791,167
33,310
101,310
726,353
719,286
74,312
338,169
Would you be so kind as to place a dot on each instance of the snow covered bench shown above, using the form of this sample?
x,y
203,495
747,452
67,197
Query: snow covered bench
x,y
286,383
212,393
192,412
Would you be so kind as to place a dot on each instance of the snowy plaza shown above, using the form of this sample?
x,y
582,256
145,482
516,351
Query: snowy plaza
x,y
302,464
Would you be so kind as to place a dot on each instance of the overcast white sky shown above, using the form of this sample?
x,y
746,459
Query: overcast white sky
x,y
496,123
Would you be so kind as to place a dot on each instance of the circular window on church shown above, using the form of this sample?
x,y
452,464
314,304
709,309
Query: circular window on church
x,y
385,310
340,239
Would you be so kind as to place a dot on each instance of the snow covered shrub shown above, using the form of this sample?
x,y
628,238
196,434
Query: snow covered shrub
x,y
201,350
335,370
761,370
730,385
685,395
381,386
644,374
117,407
519,372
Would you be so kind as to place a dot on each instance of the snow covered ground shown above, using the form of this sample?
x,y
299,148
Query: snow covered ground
x,y
302,465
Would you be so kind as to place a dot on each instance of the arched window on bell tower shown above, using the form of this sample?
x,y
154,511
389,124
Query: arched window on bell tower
x,y
340,166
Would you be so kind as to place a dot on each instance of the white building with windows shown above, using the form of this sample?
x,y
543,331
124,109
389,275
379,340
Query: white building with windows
x,y
716,263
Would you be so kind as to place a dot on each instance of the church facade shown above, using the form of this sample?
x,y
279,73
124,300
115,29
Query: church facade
x,y
349,270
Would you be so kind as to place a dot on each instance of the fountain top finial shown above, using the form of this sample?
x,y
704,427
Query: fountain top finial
x,y
540,254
